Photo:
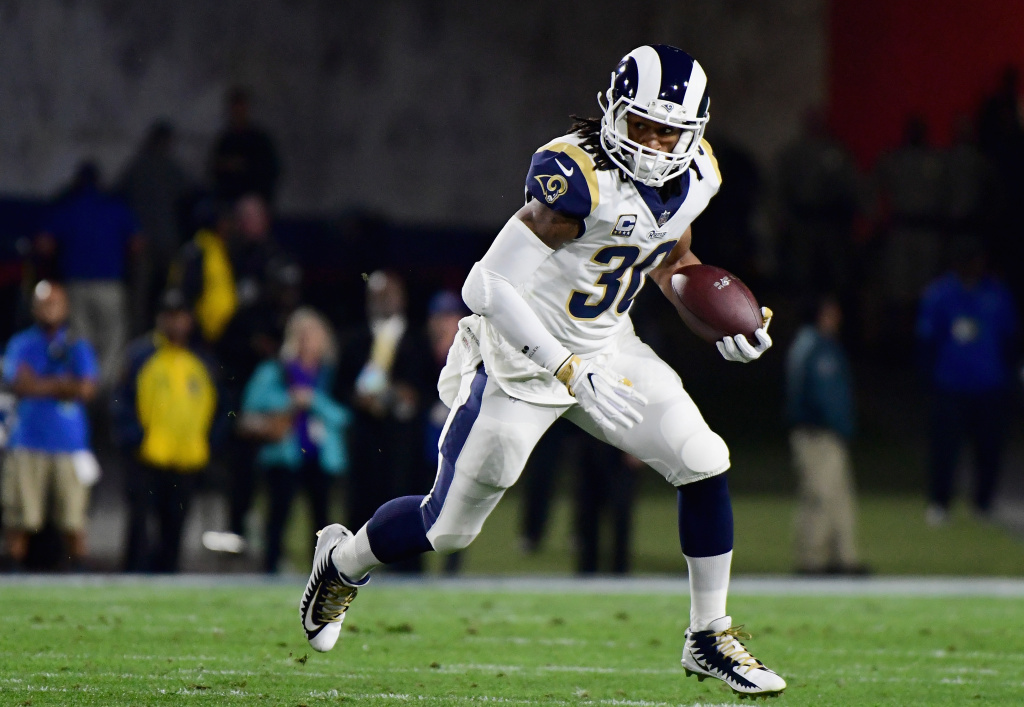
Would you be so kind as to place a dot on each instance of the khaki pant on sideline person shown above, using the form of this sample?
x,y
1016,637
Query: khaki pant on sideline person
x,y
826,518
28,477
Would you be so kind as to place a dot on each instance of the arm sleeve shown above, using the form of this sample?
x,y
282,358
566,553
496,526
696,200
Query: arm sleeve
x,y
490,291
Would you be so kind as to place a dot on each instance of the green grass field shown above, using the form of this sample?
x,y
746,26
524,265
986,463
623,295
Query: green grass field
x,y
153,643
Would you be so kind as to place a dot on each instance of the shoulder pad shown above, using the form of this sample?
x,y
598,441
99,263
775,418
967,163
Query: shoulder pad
x,y
707,163
562,176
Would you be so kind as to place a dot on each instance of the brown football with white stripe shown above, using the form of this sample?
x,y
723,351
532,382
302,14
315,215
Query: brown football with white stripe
x,y
714,303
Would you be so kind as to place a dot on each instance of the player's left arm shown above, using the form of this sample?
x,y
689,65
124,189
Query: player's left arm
x,y
732,348
679,257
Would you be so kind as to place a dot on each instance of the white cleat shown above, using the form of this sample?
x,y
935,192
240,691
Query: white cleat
x,y
328,592
718,653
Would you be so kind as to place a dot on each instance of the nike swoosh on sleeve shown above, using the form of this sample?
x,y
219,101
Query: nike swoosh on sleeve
x,y
566,172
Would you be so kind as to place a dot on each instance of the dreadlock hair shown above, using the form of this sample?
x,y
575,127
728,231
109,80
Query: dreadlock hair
x,y
589,129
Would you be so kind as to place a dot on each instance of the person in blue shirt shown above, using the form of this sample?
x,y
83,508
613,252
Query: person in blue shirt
x,y
820,410
92,235
967,331
53,374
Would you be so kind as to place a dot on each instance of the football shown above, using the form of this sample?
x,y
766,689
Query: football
x,y
714,303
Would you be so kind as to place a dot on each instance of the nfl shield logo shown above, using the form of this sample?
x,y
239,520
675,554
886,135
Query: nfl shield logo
x,y
665,216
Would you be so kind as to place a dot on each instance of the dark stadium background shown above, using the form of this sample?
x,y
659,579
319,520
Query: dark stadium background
x,y
406,128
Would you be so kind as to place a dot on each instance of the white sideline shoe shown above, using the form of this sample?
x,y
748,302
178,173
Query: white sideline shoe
x,y
328,592
718,653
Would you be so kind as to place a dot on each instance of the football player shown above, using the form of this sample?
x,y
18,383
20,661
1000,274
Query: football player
x,y
608,206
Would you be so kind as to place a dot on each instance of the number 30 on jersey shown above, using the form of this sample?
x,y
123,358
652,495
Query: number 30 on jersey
x,y
626,273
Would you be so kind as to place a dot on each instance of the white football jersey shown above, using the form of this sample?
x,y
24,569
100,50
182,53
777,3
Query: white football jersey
x,y
583,291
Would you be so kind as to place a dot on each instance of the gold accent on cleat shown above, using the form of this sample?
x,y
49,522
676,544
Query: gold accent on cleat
x,y
336,602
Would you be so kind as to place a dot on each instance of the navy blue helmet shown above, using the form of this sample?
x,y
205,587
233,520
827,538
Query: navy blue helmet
x,y
663,84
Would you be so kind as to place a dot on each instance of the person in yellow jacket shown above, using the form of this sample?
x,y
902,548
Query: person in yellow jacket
x,y
204,274
163,412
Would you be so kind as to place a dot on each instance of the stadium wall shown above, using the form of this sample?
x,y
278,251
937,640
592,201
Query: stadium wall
x,y
889,60
424,112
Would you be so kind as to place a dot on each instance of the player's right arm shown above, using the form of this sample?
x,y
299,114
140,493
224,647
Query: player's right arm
x,y
490,290
552,228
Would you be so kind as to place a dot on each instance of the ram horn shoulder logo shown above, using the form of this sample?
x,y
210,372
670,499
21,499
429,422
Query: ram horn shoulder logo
x,y
553,186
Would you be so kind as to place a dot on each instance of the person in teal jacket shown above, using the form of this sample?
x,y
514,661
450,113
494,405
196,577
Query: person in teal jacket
x,y
287,406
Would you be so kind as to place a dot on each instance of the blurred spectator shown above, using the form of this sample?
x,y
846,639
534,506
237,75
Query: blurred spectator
x,y
243,288
1000,127
969,185
228,271
605,490
156,188
92,235
1001,138
381,364
8,405
910,186
288,408
244,159
820,410
163,410
253,250
52,373
203,273
268,289
819,198
254,333
967,330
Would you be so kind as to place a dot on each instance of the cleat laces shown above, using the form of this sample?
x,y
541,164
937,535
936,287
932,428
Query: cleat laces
x,y
728,644
337,597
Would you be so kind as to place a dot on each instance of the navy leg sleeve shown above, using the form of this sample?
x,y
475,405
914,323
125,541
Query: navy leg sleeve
x,y
396,531
705,517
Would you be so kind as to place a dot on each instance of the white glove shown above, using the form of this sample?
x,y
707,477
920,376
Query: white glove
x,y
737,348
608,398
